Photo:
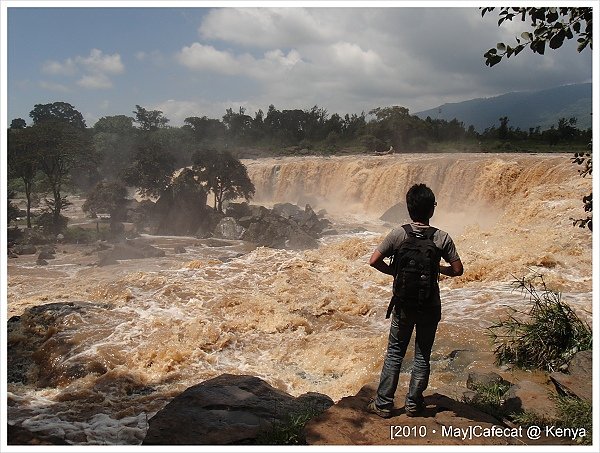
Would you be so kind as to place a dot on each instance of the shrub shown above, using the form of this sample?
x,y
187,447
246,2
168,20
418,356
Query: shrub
x,y
290,431
78,235
546,337
572,413
489,398
46,222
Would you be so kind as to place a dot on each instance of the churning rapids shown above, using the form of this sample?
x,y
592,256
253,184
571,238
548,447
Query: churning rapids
x,y
145,330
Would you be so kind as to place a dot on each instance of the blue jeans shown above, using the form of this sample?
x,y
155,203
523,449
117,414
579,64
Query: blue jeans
x,y
401,329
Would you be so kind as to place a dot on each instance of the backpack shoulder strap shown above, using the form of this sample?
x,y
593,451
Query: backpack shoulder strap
x,y
430,232
407,228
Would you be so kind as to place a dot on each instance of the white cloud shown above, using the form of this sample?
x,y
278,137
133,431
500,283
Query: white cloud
x,y
97,81
51,86
97,61
67,67
155,57
264,27
93,70
207,58
349,59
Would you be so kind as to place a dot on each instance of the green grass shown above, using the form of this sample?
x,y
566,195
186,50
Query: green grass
x,y
572,413
290,431
546,336
489,399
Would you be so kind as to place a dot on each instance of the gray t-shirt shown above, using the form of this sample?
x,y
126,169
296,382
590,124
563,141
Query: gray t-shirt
x,y
441,239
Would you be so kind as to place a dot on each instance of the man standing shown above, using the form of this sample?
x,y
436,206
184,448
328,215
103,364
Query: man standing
x,y
417,249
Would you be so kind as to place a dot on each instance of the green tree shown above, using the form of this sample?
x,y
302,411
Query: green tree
x,y
12,210
177,141
117,124
205,130
114,141
224,175
107,197
239,125
149,120
395,126
60,147
23,161
18,123
503,129
150,171
57,111
61,144
549,26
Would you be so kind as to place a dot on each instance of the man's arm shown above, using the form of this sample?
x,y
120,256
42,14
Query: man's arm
x,y
377,262
454,270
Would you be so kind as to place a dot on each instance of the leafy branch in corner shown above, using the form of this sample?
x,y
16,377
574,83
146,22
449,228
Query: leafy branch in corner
x,y
551,26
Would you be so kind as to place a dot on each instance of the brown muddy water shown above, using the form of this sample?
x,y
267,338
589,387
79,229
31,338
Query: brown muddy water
x,y
140,332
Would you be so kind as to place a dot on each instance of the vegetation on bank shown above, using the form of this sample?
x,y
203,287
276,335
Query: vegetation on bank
x,y
571,412
544,337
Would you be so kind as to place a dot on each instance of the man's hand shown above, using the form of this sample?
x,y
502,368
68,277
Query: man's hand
x,y
454,270
377,262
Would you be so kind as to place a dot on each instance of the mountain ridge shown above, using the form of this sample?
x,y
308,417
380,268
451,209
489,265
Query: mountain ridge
x,y
524,109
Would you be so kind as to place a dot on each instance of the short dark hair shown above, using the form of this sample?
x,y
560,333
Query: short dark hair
x,y
420,202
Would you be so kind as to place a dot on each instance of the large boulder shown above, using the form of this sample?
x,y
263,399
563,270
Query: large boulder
x,y
311,223
578,381
228,228
228,410
26,249
237,210
19,435
527,396
272,230
287,210
129,250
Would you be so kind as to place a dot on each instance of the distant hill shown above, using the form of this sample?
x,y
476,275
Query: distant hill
x,y
523,109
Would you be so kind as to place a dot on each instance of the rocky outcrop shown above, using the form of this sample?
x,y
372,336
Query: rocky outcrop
x,y
227,410
128,250
228,228
18,435
26,249
285,226
527,396
577,381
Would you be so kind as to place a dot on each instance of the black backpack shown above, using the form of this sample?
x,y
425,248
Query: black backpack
x,y
416,266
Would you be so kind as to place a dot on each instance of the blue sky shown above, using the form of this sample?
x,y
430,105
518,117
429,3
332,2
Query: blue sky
x,y
195,61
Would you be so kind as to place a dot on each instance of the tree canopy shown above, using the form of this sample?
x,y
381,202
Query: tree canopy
x,y
106,197
57,111
223,174
150,170
149,120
